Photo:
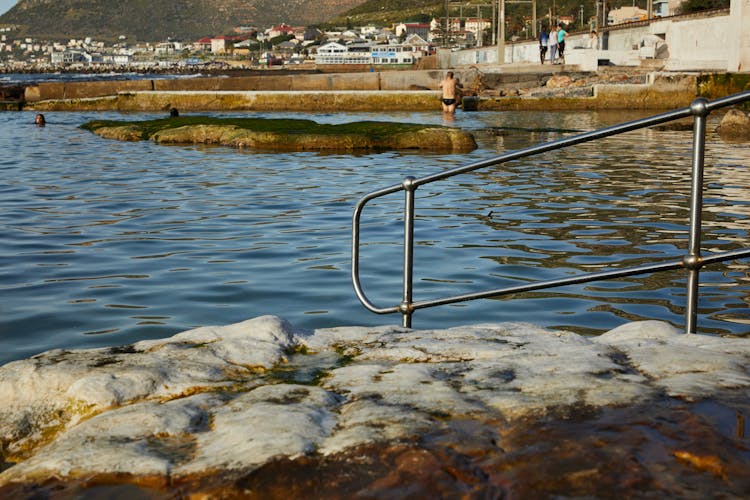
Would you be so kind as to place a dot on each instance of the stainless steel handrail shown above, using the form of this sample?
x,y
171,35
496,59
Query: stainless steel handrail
x,y
692,261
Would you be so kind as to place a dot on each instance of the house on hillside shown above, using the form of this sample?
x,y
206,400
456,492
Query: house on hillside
x,y
627,14
476,25
287,47
416,44
70,57
167,48
312,34
331,53
278,30
202,45
367,53
244,47
251,31
224,44
392,54
336,53
406,29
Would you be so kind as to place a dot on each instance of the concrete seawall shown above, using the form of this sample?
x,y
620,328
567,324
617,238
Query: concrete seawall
x,y
369,81
380,91
260,101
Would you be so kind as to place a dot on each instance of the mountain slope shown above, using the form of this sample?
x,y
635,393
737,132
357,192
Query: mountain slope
x,y
153,20
390,11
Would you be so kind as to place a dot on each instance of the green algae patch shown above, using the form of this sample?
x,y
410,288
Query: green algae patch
x,y
288,134
714,86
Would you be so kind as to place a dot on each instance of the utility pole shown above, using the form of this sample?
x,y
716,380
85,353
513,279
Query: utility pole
x,y
479,27
598,4
554,13
494,31
501,25
447,26
501,32
480,19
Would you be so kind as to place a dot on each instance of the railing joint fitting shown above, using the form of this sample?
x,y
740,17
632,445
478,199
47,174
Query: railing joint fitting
x,y
692,262
699,107
405,307
409,183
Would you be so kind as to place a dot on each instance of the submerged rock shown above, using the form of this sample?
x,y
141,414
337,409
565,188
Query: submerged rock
x,y
735,126
471,410
289,135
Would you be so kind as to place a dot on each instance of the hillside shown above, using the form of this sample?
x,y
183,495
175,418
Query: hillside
x,y
385,12
155,20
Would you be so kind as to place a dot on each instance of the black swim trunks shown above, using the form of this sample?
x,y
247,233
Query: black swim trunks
x,y
448,102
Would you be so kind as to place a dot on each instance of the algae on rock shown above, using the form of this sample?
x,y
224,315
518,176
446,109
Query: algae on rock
x,y
288,134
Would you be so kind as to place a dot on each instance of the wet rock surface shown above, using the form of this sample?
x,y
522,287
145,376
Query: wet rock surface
x,y
735,126
288,135
260,410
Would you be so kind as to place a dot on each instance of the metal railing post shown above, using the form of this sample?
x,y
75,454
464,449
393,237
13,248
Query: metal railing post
x,y
406,305
693,261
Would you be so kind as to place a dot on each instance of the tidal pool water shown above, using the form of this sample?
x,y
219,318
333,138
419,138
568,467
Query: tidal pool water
x,y
105,242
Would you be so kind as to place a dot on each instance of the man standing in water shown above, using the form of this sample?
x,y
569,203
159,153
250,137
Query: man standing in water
x,y
450,87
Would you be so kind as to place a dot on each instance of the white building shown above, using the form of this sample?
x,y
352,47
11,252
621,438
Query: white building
x,y
70,57
626,14
476,25
392,54
365,53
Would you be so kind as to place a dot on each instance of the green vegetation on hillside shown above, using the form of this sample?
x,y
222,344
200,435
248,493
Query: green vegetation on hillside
x,y
518,15
108,19
188,20
157,20
689,6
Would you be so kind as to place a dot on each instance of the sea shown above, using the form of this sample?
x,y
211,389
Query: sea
x,y
105,243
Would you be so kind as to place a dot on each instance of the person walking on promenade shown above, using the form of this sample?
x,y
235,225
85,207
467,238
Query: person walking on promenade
x,y
451,88
561,33
593,40
552,44
543,38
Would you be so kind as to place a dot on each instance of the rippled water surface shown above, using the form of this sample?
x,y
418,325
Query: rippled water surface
x,y
106,242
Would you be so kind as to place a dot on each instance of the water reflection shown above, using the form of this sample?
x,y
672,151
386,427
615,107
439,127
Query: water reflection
x,y
105,243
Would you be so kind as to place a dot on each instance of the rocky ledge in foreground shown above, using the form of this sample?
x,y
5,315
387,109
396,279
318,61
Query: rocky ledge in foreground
x,y
260,410
288,134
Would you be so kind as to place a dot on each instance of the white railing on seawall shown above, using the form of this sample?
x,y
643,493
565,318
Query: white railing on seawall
x,y
690,43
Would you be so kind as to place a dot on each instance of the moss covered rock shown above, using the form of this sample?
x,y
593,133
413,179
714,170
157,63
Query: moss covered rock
x,y
288,134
